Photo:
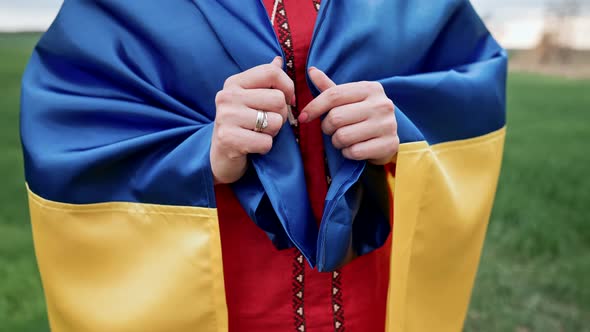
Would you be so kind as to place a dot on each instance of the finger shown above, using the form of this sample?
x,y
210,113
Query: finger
x,y
353,134
322,82
343,116
275,123
246,141
378,151
268,100
320,79
277,61
246,118
268,76
333,97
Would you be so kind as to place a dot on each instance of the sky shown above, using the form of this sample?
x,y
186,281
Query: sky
x,y
515,23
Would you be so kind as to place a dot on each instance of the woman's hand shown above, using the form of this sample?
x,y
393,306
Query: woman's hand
x,y
360,118
264,88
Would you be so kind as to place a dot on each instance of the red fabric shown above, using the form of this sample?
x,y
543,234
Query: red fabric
x,y
261,281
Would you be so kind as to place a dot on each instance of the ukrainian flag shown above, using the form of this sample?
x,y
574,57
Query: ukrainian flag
x,y
116,123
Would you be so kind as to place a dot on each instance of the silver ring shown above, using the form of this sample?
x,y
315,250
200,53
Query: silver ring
x,y
261,121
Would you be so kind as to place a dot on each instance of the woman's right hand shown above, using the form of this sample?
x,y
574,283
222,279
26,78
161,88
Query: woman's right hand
x,y
263,88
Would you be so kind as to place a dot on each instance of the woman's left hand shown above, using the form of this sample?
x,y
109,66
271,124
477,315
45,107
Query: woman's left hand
x,y
360,119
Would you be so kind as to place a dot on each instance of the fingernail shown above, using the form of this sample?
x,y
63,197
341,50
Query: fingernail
x,y
312,68
303,117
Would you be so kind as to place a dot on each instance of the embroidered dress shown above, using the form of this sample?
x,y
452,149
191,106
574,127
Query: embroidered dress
x,y
272,290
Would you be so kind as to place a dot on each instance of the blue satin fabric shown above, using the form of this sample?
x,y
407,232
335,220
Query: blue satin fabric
x,y
439,65
118,105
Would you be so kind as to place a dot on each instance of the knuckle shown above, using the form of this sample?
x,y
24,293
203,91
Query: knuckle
x,y
243,149
392,146
232,80
383,105
282,116
327,126
266,145
291,87
272,72
221,97
224,114
279,121
341,137
335,119
388,105
219,115
285,83
396,142
379,87
277,102
374,86
234,155
223,137
278,96
275,123
366,85
394,126
387,130
354,152
232,114
336,143
236,94
333,94
226,96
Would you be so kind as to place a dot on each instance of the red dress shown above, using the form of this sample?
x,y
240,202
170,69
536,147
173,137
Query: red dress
x,y
272,290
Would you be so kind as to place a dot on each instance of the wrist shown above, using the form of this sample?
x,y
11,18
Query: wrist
x,y
226,170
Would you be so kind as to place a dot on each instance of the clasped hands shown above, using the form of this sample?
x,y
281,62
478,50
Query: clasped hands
x,y
359,118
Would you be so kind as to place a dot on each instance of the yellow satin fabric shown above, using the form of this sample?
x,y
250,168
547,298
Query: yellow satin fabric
x,y
443,199
128,267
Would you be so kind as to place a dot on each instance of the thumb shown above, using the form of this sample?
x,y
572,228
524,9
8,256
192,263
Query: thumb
x,y
277,61
320,79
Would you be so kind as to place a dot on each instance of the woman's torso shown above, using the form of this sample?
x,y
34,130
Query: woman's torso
x,y
272,290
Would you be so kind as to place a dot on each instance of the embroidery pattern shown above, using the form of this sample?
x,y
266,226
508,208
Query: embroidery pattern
x,y
337,303
286,41
298,296
298,282
284,34
316,4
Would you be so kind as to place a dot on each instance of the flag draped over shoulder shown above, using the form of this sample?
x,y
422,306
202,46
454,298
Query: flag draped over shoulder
x,y
116,123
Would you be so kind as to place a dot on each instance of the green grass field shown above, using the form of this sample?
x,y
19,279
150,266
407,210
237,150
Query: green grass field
x,y
535,271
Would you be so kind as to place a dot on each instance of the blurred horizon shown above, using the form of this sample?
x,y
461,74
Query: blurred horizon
x,y
516,24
